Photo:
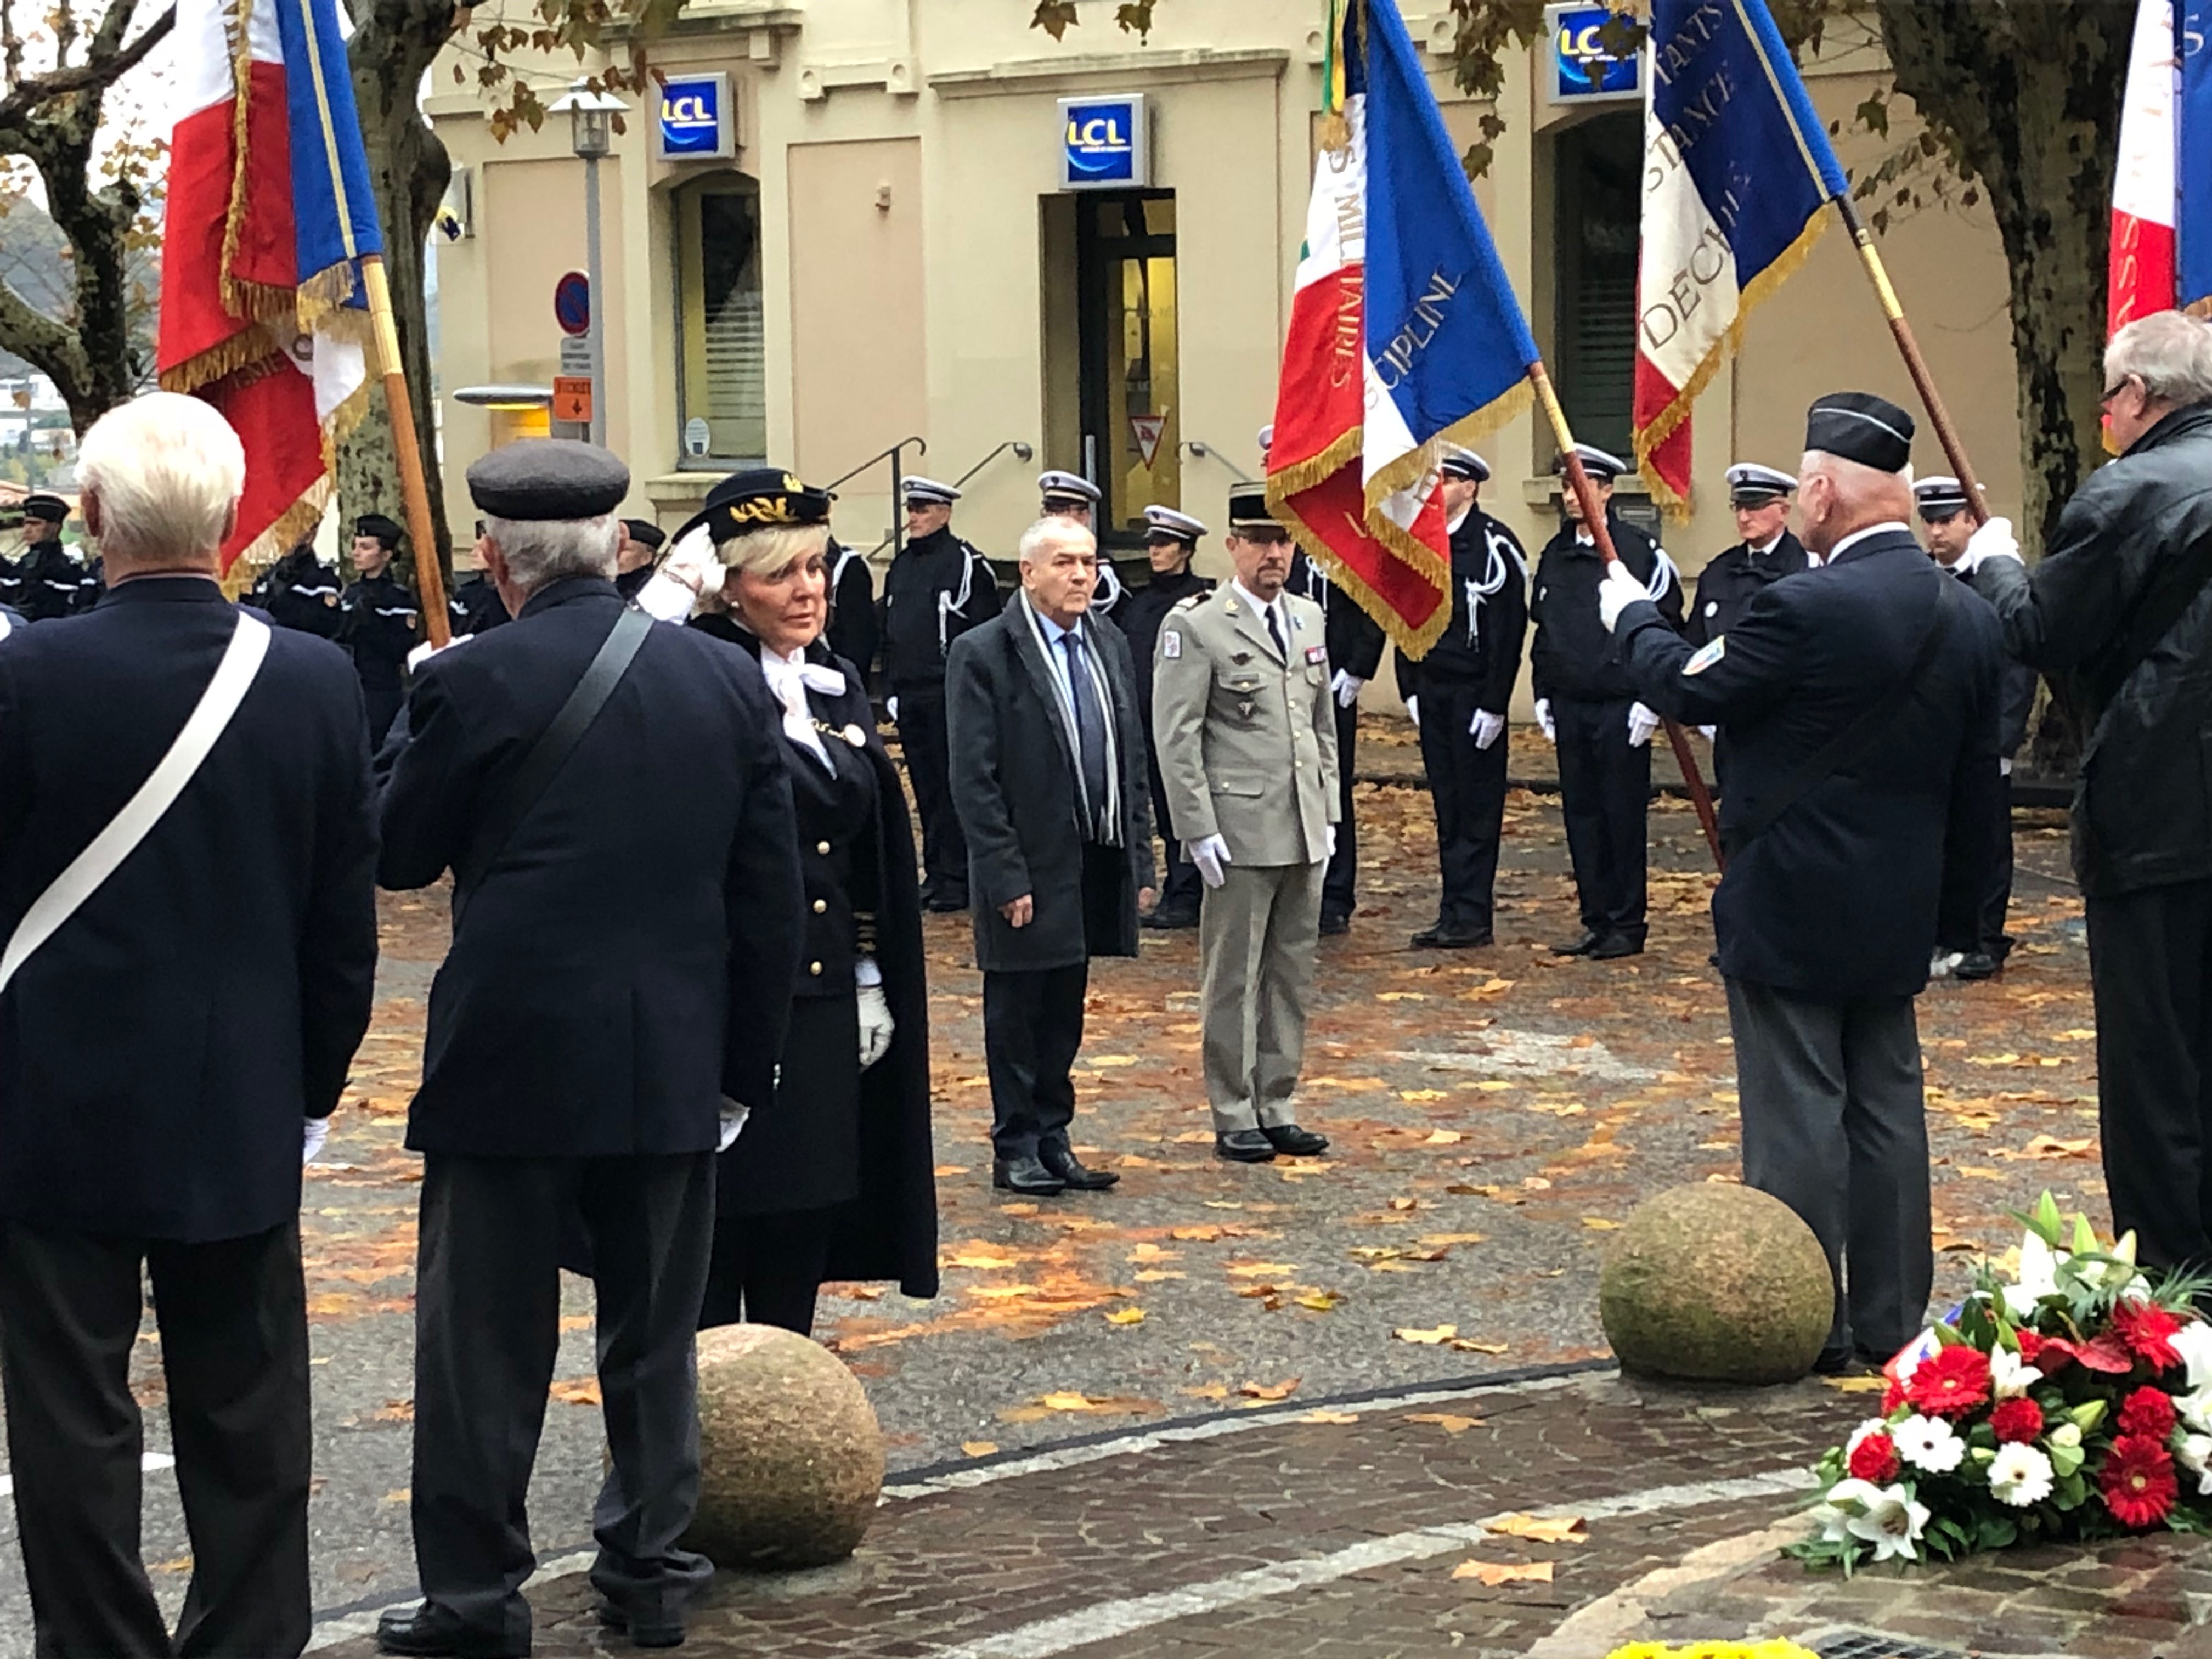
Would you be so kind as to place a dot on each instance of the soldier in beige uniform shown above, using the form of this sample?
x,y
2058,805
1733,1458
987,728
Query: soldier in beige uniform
x,y
1247,741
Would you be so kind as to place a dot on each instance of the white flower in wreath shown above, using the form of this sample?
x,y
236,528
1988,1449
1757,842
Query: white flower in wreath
x,y
2037,1278
1891,1521
2195,1455
2195,1408
2193,1342
2010,1375
2020,1475
1834,1524
1929,1444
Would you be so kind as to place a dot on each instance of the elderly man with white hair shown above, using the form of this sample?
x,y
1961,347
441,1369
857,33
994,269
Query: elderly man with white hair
x,y
1860,700
187,855
2119,611
609,794
1048,780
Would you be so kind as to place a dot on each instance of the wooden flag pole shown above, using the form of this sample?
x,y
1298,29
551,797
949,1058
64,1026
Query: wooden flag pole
x,y
414,488
1594,519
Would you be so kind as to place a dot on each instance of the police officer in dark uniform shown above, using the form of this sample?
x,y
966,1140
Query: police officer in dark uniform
x,y
1860,706
48,582
1071,495
1587,705
299,592
382,623
641,546
1768,552
475,604
1355,652
1171,540
1972,943
854,629
937,588
1458,696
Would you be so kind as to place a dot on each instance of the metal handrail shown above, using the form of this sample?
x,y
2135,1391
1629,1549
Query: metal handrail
x,y
1205,450
890,455
1023,452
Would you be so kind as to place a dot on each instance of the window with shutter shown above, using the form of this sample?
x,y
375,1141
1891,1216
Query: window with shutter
x,y
1598,171
724,381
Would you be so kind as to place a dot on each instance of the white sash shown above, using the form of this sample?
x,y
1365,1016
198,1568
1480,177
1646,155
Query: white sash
x,y
241,661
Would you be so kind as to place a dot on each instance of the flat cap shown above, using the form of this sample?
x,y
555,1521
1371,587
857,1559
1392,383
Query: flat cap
x,y
385,530
1857,426
928,491
1751,484
1249,508
1166,522
1602,465
1071,486
758,498
47,509
1464,464
645,532
1939,497
548,480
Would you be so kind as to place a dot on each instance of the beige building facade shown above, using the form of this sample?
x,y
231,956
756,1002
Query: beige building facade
x,y
892,252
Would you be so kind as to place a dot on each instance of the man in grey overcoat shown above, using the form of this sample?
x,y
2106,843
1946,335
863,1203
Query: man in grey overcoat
x,y
1048,782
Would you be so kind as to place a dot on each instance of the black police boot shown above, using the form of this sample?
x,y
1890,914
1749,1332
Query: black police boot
x,y
1062,1162
1294,1142
1025,1174
1442,938
1335,921
1613,946
1589,941
1975,964
430,1631
660,1631
1244,1146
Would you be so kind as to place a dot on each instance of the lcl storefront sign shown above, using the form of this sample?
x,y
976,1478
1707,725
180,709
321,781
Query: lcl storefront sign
x,y
1582,68
1105,143
698,118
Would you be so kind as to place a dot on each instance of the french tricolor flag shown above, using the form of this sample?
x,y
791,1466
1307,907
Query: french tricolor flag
x,y
269,214
2162,247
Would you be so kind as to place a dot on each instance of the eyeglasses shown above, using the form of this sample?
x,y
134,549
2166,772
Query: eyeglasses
x,y
2113,391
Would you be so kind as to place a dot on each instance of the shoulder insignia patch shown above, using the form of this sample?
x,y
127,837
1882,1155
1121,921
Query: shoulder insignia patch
x,y
1706,656
1171,643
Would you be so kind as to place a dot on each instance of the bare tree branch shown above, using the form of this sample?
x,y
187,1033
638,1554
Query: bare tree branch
x,y
25,98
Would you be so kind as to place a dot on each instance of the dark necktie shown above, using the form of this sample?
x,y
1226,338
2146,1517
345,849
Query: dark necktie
x,y
1275,631
1090,729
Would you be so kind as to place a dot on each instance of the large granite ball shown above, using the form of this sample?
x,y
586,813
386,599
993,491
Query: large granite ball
x,y
1717,1282
790,1457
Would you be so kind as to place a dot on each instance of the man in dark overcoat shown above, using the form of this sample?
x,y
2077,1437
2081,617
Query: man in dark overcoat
x,y
169,1050
1049,779
626,928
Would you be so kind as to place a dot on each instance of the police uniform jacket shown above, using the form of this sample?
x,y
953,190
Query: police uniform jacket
x,y
1839,897
302,593
51,583
160,1052
1140,616
854,629
1014,784
2015,699
937,588
1573,656
1247,738
628,959
381,629
1727,584
1481,646
479,607
1354,638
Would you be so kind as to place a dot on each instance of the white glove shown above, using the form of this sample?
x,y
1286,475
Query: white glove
x,y
1544,720
1485,727
1619,591
734,1120
877,1024
1328,840
688,573
1210,853
1413,710
1642,723
1708,733
1994,540
423,653
890,707
1345,688
2004,766
311,1146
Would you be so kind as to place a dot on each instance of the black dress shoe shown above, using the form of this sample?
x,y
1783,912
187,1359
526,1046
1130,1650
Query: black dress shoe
x,y
945,904
1294,1142
1070,1172
430,1631
659,1632
1025,1174
1441,937
1975,965
1833,1362
1589,941
1172,915
1613,946
1333,922
1244,1146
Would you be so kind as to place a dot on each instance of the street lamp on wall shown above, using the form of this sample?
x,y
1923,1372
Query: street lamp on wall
x,y
591,135
590,118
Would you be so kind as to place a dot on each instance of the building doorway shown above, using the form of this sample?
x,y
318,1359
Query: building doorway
x,y
1128,387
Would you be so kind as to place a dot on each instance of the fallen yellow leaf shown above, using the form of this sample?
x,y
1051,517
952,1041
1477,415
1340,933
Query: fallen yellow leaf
x,y
1424,1094
944,1170
1125,1316
1858,1384
1001,1292
979,1447
1282,1390
1067,1402
1494,1573
1543,1529
1320,1301
984,1262
1442,1137
1154,1275
1261,1269
1599,1224
1446,1421
578,1391
1468,1344
1329,1417
1493,1086
1104,1060
1442,1239
1442,1334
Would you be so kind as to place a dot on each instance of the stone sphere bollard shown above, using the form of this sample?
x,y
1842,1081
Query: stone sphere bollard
x,y
790,1457
1715,1283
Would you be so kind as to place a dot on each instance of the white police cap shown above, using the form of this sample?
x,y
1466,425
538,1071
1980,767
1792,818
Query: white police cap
x,y
1179,525
1464,464
927,491
1939,497
1057,486
1267,438
1600,465
1749,484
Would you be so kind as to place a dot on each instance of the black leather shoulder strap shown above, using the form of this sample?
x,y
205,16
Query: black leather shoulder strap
x,y
551,751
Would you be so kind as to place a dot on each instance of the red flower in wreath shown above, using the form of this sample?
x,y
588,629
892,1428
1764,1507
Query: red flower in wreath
x,y
2017,1422
2148,1330
2148,1411
1876,1459
2030,1343
1892,1398
2138,1482
1951,1382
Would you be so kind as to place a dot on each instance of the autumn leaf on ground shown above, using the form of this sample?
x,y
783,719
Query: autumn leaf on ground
x,y
1542,1528
1429,1094
1206,1391
1001,1292
1445,1240
1125,1316
1329,1417
1154,1275
1468,1344
1320,1301
1268,1390
1442,1334
1444,1420
1443,1138
1858,1384
1148,1251
1117,1405
1494,1573
945,1171
1599,1224
983,1262
1196,1235
1257,1269
979,1447
1104,1060
2049,1146
577,1391
1195,1138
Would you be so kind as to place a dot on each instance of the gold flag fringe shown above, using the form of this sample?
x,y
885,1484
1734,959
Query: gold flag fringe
x,y
322,296
250,349
291,527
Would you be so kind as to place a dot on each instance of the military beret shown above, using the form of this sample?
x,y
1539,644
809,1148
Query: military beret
x,y
552,480
928,492
1939,498
1857,426
1602,465
1751,484
645,532
1166,522
47,509
383,529
758,498
1249,508
1464,464
1068,487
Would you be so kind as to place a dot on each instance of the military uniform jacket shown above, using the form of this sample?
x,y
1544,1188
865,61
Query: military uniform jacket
x,y
1572,655
627,960
1727,584
50,583
302,593
855,630
1140,616
1247,740
159,1053
381,619
937,588
1354,638
1481,646
1839,897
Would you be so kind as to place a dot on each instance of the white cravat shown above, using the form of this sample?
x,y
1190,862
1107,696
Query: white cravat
x,y
790,678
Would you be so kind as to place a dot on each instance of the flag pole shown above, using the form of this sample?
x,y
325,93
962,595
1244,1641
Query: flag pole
x,y
414,488
1585,494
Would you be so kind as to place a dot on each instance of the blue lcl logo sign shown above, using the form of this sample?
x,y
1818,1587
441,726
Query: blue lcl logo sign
x,y
1584,66
695,121
1104,142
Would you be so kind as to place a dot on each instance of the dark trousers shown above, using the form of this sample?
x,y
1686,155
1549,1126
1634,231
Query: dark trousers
x,y
1032,1031
1179,883
1466,786
1972,917
487,1330
233,1323
1836,1127
1340,886
2150,968
767,1269
1605,795
929,765
1996,897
